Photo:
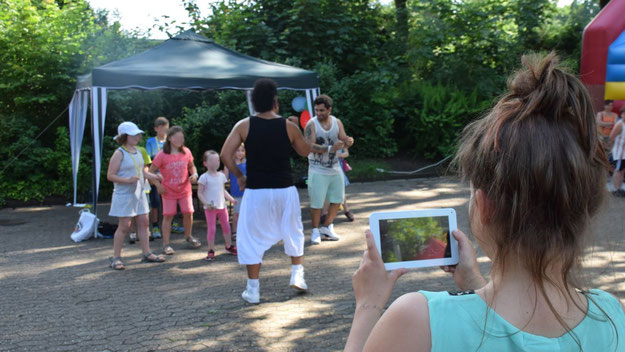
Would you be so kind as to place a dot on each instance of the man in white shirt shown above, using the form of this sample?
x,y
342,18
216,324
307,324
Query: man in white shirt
x,y
327,135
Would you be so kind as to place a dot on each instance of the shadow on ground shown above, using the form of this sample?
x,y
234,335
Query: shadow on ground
x,y
60,296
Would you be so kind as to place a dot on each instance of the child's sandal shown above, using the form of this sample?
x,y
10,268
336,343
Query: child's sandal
x,y
349,215
210,256
167,250
193,243
152,258
232,250
116,263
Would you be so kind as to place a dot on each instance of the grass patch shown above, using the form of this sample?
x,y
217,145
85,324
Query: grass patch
x,y
366,169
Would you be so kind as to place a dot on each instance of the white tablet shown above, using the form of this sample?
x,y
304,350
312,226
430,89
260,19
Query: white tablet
x,y
415,238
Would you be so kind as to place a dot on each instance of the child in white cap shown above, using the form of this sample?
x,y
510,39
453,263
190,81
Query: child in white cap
x,y
126,171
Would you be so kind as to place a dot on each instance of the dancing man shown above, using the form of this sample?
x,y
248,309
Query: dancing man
x,y
270,210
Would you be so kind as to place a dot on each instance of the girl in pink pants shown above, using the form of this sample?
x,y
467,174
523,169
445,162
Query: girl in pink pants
x,y
213,195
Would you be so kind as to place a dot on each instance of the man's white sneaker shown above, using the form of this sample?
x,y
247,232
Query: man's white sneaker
x,y
315,238
297,280
329,234
251,295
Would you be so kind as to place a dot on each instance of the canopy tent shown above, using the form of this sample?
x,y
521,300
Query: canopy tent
x,y
187,61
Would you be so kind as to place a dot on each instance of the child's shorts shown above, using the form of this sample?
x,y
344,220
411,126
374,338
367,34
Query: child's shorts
x,y
155,198
186,206
237,207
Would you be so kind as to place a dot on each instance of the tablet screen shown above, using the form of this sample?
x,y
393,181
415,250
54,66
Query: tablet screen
x,y
414,239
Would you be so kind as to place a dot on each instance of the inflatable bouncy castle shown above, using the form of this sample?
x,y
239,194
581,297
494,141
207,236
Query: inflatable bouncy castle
x,y
603,56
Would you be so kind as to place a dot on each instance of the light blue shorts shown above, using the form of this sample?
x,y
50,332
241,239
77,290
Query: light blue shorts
x,y
322,188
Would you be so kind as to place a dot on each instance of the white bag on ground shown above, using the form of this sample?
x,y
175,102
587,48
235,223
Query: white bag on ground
x,y
85,227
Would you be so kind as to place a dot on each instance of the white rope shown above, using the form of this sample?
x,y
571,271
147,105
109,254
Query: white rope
x,y
33,141
412,172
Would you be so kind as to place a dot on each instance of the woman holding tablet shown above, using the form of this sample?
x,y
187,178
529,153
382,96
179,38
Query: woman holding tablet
x,y
537,172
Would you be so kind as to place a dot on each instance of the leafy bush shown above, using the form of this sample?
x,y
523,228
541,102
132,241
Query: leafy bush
x,y
434,117
207,126
363,104
40,171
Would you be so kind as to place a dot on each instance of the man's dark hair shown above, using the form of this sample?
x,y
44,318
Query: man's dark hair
x,y
606,102
264,94
325,100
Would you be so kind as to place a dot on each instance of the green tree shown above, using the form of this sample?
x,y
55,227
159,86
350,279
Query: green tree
x,y
409,237
563,31
41,44
348,33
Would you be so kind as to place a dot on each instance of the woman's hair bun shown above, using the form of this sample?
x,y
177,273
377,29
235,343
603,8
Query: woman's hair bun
x,y
535,73
543,88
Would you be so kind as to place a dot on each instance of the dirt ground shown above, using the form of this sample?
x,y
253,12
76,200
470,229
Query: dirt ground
x,y
56,295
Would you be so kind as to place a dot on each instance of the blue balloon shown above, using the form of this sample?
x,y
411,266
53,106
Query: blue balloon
x,y
298,104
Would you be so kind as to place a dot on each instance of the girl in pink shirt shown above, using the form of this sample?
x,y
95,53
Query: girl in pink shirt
x,y
175,163
213,195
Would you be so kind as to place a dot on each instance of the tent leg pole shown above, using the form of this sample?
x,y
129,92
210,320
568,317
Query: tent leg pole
x,y
93,168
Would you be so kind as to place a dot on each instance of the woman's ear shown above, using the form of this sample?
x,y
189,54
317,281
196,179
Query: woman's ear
x,y
484,206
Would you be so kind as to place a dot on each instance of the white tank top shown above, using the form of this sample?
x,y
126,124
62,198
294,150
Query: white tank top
x,y
325,163
618,149
131,165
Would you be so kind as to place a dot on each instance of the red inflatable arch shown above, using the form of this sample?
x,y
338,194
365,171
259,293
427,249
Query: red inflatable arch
x,y
598,35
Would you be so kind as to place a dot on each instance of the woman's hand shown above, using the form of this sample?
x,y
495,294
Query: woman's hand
x,y
372,283
133,179
466,273
372,288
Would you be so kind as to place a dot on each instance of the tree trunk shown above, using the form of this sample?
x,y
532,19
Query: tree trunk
x,y
401,15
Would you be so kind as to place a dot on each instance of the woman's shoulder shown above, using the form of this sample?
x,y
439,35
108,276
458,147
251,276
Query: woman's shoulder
x,y
412,299
405,325
605,300
410,308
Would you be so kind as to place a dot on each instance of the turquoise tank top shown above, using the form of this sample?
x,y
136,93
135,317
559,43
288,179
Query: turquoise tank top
x,y
457,324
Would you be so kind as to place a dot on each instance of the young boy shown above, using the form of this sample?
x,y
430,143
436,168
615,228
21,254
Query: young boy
x,y
154,145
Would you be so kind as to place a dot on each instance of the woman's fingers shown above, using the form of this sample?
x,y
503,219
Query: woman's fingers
x,y
371,248
466,251
460,237
396,274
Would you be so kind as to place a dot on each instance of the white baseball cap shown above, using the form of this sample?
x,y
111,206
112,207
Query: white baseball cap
x,y
128,128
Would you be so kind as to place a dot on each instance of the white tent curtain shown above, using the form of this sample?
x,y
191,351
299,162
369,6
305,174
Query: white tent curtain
x,y
311,95
77,116
98,117
250,106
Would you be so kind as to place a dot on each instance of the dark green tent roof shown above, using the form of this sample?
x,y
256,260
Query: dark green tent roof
x,y
190,61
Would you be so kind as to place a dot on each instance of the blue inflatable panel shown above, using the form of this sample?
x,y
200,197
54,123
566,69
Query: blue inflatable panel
x,y
615,73
616,60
